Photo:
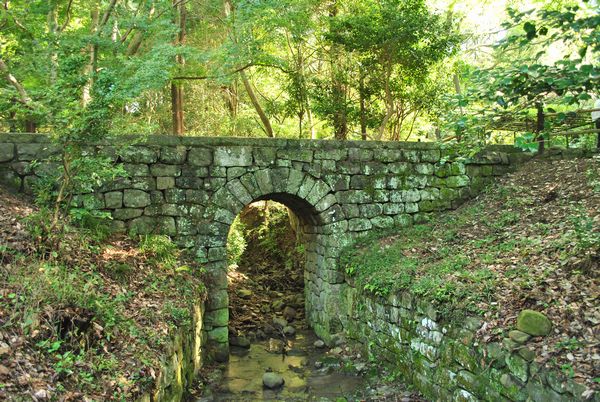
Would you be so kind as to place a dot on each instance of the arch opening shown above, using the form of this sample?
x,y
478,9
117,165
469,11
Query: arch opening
x,y
270,245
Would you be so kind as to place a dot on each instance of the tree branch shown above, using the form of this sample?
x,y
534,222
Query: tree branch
x,y
67,17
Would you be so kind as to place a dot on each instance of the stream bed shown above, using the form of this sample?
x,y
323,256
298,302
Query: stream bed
x,y
310,374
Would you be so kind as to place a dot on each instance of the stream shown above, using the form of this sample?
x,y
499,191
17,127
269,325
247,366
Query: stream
x,y
310,374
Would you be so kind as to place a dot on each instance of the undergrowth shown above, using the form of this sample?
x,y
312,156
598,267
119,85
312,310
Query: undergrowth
x,y
98,311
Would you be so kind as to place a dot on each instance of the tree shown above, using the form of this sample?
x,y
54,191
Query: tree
x,y
400,40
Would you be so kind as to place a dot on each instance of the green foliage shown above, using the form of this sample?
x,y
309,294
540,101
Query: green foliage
x,y
160,250
236,242
585,231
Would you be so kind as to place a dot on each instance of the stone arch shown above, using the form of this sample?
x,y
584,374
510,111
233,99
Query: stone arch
x,y
322,219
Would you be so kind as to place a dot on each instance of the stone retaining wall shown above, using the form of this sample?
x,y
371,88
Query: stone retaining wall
x,y
191,188
443,359
180,365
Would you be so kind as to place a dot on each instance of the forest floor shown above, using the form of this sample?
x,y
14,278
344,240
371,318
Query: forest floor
x,y
87,320
530,241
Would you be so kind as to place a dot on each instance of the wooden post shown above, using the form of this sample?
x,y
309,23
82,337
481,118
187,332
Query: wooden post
x,y
598,128
539,129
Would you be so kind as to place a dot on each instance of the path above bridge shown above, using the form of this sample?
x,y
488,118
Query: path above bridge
x,y
191,188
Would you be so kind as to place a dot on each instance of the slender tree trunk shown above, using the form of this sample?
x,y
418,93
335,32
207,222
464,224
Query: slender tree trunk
x,y
229,11
90,68
389,103
340,118
261,113
313,133
53,30
363,112
97,24
456,81
177,89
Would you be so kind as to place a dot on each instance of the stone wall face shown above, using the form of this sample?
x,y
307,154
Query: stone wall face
x,y
442,359
192,189
181,363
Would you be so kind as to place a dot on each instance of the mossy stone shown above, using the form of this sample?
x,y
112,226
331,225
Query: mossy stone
x,y
533,323
518,336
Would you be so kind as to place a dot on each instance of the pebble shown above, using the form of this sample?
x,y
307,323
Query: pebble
x,y
319,344
41,394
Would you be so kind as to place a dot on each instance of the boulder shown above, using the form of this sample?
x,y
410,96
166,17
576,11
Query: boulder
x,y
279,323
272,380
289,313
518,336
289,331
244,293
533,323
240,341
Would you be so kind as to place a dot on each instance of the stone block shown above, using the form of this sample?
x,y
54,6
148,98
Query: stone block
x,y
29,152
457,181
359,224
136,198
336,154
142,225
191,182
388,155
264,156
200,156
136,169
360,154
163,183
143,183
382,222
431,155
233,156
138,154
299,154
7,152
424,168
125,214
164,170
22,168
217,299
113,199
263,180
173,155
235,172
518,367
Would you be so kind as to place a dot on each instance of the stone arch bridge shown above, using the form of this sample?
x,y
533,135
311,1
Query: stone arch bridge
x,y
192,188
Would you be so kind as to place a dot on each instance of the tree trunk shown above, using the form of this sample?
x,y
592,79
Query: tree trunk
x,y
338,89
91,68
53,31
456,81
177,89
263,117
389,103
24,99
363,112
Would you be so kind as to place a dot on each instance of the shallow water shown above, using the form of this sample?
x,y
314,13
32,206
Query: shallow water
x,y
242,376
